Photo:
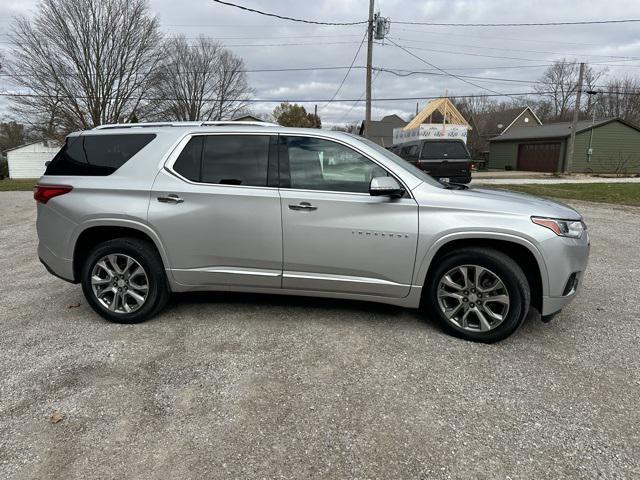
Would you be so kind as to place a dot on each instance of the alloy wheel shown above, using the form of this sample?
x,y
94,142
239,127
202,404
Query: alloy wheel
x,y
473,298
119,283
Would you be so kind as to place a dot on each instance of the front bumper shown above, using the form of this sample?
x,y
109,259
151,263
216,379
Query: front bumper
x,y
566,260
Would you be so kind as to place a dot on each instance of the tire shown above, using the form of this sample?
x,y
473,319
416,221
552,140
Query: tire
x,y
491,265
99,287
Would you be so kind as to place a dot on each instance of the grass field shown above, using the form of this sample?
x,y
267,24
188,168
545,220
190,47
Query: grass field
x,y
16,185
618,193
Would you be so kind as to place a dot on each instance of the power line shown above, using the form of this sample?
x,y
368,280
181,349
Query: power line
x,y
256,70
526,24
518,50
311,100
355,57
359,67
359,99
441,70
424,72
282,17
256,45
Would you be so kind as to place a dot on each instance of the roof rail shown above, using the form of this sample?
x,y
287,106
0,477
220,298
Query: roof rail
x,y
239,122
182,124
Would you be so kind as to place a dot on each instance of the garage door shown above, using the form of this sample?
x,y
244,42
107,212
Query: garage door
x,y
539,157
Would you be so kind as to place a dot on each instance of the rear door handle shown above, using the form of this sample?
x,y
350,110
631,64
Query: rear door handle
x,y
171,198
303,206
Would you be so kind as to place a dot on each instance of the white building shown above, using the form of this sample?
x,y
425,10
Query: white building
x,y
28,161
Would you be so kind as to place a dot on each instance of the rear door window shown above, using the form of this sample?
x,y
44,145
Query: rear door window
x,y
96,155
225,159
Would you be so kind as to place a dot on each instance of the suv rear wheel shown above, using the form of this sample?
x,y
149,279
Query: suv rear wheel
x,y
124,280
479,294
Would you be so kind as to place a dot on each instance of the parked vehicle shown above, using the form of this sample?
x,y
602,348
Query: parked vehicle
x,y
443,159
134,212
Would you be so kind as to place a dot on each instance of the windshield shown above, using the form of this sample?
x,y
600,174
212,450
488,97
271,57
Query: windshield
x,y
443,149
415,171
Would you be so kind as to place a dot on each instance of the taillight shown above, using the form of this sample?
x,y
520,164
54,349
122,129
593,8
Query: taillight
x,y
44,193
472,166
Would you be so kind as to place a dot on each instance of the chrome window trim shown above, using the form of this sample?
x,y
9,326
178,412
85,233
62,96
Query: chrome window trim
x,y
182,142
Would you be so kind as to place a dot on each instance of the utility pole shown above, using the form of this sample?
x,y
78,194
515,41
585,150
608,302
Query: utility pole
x,y
574,123
367,118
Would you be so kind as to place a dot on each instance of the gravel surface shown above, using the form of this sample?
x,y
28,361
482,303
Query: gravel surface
x,y
249,386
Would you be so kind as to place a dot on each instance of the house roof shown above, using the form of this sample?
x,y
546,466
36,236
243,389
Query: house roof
x,y
553,130
384,127
52,144
247,118
495,123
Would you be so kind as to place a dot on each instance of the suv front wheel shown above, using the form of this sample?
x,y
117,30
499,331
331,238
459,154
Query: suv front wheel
x,y
479,294
124,280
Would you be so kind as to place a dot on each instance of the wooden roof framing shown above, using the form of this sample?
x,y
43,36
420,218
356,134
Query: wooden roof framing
x,y
448,110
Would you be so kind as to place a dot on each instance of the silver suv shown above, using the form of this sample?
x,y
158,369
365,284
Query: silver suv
x,y
135,212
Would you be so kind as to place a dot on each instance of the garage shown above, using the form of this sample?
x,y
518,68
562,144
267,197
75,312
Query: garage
x,y
539,157
29,161
610,145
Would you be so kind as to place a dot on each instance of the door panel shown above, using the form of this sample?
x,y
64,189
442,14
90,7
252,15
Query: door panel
x,y
219,234
350,243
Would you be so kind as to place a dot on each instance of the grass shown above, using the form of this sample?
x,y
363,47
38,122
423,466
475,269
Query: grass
x,y
616,193
26,185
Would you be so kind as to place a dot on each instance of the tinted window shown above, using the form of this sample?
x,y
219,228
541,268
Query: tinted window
x,y
316,164
235,160
439,150
96,155
188,162
410,152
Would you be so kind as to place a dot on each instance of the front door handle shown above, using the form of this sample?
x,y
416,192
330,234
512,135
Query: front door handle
x,y
171,198
303,206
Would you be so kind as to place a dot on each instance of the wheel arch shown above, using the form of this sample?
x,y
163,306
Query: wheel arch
x,y
96,232
523,252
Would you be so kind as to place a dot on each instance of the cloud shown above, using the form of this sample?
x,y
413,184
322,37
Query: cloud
x,y
456,48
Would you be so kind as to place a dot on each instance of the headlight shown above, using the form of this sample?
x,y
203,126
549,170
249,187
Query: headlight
x,y
563,228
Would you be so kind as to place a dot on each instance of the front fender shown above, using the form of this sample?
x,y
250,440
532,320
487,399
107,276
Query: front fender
x,y
420,274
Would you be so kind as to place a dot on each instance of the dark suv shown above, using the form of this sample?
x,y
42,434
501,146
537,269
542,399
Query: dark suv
x,y
446,160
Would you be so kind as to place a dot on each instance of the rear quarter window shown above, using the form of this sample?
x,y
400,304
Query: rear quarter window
x,y
97,155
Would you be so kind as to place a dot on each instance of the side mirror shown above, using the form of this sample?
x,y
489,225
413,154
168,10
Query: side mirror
x,y
385,186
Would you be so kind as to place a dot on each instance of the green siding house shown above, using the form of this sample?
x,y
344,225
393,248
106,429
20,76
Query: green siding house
x,y
606,146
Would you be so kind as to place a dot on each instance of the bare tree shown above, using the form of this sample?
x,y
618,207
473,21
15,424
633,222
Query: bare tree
x,y
203,81
476,105
83,63
620,99
559,85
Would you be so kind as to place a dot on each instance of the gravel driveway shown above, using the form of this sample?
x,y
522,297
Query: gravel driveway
x,y
248,386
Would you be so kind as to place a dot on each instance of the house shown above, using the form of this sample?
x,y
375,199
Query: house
x,y
28,161
381,131
610,145
492,124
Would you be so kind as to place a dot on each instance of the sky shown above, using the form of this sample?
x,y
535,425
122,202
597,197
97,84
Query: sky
x,y
508,60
